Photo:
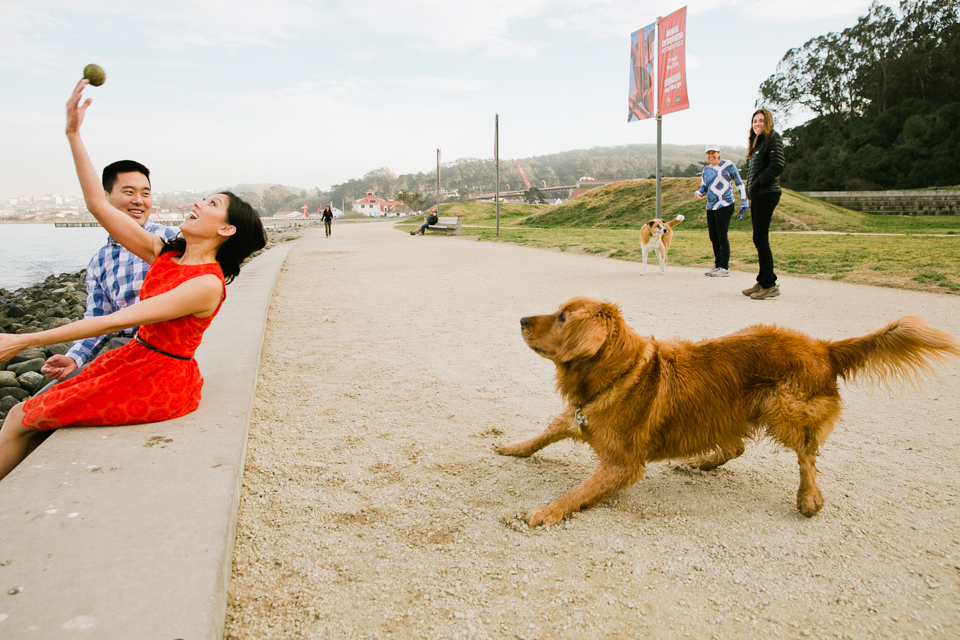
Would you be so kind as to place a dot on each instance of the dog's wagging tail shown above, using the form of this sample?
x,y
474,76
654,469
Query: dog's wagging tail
x,y
641,400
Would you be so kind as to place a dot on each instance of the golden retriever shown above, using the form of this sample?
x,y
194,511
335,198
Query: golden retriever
x,y
656,236
636,399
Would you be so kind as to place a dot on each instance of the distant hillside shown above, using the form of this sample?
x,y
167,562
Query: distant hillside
x,y
260,187
629,204
470,176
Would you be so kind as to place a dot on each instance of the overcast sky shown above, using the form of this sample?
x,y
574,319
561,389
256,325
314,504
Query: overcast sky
x,y
211,93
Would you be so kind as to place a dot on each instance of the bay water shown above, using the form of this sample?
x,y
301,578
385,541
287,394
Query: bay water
x,y
31,252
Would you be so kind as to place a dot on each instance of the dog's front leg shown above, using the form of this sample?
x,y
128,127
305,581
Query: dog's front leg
x,y
643,266
604,482
662,260
560,428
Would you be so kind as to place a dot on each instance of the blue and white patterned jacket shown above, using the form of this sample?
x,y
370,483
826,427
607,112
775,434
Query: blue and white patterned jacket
x,y
717,183
114,278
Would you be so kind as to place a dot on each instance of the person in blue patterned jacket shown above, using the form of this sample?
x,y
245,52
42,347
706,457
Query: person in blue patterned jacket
x,y
716,183
114,275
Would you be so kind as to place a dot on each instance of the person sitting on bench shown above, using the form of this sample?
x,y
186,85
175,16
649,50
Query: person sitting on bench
x,y
429,220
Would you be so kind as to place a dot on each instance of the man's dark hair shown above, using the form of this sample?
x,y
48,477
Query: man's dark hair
x,y
111,171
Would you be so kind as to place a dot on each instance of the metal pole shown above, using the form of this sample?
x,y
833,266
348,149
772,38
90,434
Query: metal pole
x,y
659,144
438,182
496,164
656,70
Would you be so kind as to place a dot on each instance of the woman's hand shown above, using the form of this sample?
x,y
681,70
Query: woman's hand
x,y
75,110
11,344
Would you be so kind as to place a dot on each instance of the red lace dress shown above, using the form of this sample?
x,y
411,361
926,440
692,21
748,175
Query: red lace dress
x,y
134,384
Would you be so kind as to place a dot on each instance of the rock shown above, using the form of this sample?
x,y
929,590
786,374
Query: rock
x,y
8,379
55,312
57,349
8,403
27,366
28,354
53,323
16,311
6,324
31,381
14,392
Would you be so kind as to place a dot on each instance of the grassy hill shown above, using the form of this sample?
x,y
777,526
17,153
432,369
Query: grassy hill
x,y
472,212
605,220
628,205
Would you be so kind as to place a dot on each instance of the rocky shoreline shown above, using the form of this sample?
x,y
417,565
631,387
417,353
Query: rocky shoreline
x,y
59,300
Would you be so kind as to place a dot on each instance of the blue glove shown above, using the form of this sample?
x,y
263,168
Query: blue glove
x,y
743,208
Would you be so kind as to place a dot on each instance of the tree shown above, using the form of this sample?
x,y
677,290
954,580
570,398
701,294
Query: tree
x,y
275,197
533,195
886,98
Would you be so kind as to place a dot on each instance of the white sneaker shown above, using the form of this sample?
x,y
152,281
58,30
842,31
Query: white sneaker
x,y
712,272
722,273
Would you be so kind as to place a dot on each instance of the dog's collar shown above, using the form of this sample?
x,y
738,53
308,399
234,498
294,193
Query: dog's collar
x,y
581,419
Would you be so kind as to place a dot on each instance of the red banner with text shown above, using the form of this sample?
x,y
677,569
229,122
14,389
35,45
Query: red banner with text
x,y
671,63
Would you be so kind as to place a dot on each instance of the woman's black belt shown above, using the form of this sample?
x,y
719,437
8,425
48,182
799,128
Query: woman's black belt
x,y
137,337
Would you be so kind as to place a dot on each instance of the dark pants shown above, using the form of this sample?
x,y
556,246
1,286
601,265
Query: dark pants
x,y
326,226
423,228
762,208
718,222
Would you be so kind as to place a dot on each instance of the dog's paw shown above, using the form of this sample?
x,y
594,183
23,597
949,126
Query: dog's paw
x,y
546,516
810,503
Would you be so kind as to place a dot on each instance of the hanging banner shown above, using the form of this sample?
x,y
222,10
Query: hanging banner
x,y
672,64
643,45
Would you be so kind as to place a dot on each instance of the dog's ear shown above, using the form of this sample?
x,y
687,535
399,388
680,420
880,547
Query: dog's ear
x,y
585,331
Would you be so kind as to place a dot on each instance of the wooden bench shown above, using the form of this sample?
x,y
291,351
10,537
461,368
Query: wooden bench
x,y
449,226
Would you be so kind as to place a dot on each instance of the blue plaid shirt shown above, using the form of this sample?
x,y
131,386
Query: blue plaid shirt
x,y
114,278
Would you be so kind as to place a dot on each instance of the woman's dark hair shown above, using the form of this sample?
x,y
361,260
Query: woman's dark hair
x,y
249,237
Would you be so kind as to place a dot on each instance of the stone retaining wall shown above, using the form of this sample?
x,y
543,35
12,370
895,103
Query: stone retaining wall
x,y
940,202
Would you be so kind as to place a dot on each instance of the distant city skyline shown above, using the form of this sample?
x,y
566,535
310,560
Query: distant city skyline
x,y
211,93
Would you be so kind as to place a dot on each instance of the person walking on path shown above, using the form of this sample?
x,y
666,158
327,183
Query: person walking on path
x,y
154,377
765,150
716,183
327,218
431,218
114,275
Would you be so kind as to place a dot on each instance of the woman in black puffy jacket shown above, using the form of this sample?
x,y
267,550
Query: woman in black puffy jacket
x,y
765,150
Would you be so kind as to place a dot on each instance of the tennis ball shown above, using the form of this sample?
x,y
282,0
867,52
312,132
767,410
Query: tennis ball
x,y
94,74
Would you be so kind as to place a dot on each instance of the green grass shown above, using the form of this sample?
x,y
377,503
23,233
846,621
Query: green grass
x,y
605,221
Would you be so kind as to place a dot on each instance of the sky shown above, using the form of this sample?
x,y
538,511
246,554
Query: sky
x,y
213,93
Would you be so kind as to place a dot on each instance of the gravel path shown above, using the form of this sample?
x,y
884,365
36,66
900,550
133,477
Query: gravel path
x,y
374,505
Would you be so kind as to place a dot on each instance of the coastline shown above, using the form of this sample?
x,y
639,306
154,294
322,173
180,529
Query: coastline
x,y
59,300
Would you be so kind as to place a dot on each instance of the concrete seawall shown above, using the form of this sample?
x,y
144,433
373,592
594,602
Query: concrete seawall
x,y
940,202
128,532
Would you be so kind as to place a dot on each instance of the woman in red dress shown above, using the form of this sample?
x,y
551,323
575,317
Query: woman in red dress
x,y
154,377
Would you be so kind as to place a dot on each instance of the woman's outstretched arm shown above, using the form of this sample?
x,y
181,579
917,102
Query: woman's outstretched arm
x,y
124,230
198,296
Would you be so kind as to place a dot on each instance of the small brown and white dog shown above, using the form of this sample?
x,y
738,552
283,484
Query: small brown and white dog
x,y
636,399
656,236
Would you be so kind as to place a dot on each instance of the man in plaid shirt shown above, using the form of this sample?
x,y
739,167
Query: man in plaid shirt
x,y
114,275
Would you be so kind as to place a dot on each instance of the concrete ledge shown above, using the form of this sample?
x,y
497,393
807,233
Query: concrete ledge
x,y
128,532
934,202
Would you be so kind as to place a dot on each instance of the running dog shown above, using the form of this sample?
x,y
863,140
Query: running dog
x,y
656,236
636,399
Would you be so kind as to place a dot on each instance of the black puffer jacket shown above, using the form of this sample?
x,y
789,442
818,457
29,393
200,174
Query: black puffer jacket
x,y
766,165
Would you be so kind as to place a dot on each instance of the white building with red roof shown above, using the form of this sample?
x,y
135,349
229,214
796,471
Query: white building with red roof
x,y
370,205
